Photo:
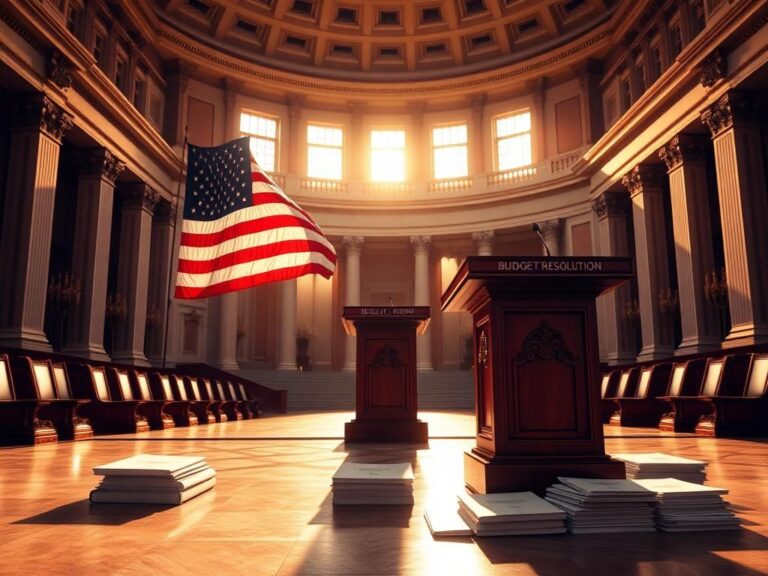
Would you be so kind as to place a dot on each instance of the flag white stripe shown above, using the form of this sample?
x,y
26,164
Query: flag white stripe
x,y
246,269
205,253
246,214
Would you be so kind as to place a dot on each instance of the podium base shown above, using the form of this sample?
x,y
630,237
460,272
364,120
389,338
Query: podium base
x,y
412,431
484,475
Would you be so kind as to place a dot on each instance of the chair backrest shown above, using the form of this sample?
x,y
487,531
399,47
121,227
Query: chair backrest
x,y
61,381
99,376
222,393
194,390
645,381
624,384
734,379
165,385
757,382
124,384
233,392
42,375
143,385
712,375
178,384
676,379
243,391
6,385
209,388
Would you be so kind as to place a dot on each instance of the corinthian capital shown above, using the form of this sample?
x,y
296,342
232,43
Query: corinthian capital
x,y
644,178
39,111
100,162
732,107
611,204
353,244
682,148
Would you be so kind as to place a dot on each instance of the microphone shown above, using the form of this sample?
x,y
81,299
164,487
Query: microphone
x,y
536,229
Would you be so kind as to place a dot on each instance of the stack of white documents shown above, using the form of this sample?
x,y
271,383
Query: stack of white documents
x,y
658,465
358,483
510,513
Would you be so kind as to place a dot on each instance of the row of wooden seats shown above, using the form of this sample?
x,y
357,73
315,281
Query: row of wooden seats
x,y
726,396
43,400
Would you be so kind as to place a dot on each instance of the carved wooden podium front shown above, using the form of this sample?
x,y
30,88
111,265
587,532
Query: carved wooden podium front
x,y
537,373
385,383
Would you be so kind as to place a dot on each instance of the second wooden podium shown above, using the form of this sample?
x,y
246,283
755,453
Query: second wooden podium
x,y
385,382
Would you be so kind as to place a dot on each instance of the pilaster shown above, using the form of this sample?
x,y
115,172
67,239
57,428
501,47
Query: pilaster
x,y
353,246
421,245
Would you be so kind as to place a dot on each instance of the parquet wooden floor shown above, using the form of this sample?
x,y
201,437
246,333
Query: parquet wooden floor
x,y
270,512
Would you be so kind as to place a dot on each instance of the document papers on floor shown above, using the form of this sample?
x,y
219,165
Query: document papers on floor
x,y
153,479
361,483
658,465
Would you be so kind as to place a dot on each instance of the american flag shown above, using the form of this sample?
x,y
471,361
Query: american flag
x,y
240,229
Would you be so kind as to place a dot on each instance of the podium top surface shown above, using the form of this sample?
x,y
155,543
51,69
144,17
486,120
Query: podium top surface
x,y
534,276
419,315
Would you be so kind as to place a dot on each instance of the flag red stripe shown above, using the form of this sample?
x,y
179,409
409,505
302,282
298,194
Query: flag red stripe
x,y
254,280
261,177
254,253
242,228
274,197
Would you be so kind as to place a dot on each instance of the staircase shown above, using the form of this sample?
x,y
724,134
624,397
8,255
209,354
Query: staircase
x,y
437,390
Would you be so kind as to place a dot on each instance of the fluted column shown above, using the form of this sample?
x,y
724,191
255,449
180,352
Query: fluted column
x,y
163,230
617,335
484,242
25,239
99,169
287,350
739,160
421,297
352,245
552,232
694,253
645,185
138,204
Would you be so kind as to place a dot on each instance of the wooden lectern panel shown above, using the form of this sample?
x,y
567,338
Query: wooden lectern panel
x,y
387,381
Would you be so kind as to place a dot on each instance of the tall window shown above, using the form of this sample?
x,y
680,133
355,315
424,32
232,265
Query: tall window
x,y
449,151
324,152
388,155
263,133
513,140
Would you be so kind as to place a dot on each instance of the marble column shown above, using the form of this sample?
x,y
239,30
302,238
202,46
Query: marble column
x,y
352,245
552,232
25,239
138,203
421,297
484,242
355,150
616,333
99,169
739,160
477,134
694,252
160,261
646,187
420,153
295,139
287,351
538,89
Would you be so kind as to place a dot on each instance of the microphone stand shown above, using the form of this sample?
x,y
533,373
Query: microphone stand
x,y
536,229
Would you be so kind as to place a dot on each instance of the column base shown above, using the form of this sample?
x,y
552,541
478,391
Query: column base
x,y
619,359
133,358
286,366
653,353
227,366
89,352
697,346
485,475
411,431
349,367
746,335
25,340
425,366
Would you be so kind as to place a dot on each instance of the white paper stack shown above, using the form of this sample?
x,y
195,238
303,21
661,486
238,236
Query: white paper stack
x,y
510,514
358,483
658,465
444,520
686,507
153,479
600,505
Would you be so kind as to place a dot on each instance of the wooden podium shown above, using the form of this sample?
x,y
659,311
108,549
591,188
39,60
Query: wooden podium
x,y
537,373
385,382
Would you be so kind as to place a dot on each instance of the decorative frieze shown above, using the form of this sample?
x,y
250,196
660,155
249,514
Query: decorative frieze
x,y
732,107
100,162
39,111
642,178
611,204
682,148
713,69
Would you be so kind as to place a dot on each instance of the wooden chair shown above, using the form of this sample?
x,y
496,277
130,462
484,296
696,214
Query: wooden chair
x,y
724,375
108,415
199,405
645,408
244,406
608,387
159,419
19,421
255,403
229,405
125,386
40,379
162,386
745,414
626,388
217,406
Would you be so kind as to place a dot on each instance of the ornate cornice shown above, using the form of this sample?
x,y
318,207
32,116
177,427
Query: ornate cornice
x,y
713,69
139,195
611,204
59,70
37,111
682,148
644,178
731,108
352,244
100,162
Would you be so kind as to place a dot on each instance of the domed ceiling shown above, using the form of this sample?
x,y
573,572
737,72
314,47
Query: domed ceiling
x,y
384,40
